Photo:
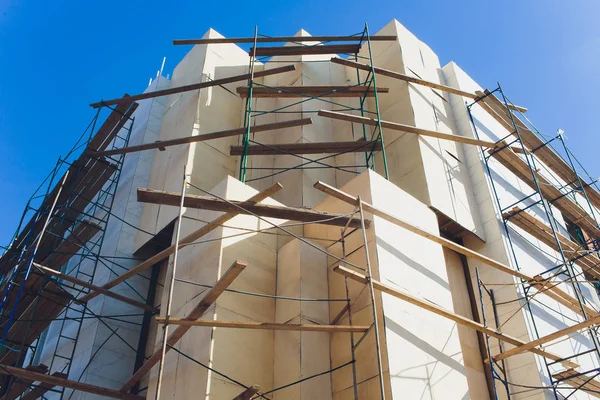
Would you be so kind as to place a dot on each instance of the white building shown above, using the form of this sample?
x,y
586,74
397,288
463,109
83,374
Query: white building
x,y
477,240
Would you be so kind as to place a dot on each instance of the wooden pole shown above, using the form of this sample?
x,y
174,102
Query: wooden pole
x,y
405,128
373,302
264,325
459,319
195,86
185,241
161,364
226,279
548,338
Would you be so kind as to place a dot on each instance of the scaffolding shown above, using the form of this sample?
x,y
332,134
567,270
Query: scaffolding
x,y
68,215
368,140
70,218
556,184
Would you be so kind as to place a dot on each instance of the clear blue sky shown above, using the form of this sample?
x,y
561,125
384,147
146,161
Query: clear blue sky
x,y
58,56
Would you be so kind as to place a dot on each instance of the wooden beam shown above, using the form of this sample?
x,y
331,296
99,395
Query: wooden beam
x,y
41,389
228,277
564,204
406,78
194,86
305,50
98,289
66,383
402,77
285,39
405,128
269,211
590,263
207,136
548,338
71,245
192,237
579,381
19,386
434,308
338,194
310,91
552,291
308,148
248,393
264,325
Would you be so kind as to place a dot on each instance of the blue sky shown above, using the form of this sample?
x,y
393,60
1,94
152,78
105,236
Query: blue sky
x,y
58,56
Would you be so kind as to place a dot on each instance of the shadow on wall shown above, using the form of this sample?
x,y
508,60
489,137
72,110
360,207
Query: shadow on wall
x,y
438,355
412,263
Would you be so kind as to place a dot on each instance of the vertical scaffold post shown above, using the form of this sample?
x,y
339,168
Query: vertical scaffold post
x,y
161,365
248,114
376,97
373,304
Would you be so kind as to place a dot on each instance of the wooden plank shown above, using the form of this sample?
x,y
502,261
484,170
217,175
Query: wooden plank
x,y
310,91
62,382
434,308
579,381
285,39
564,204
194,86
402,77
114,119
211,296
305,50
183,242
543,232
72,244
98,289
38,391
264,325
208,136
19,386
406,78
248,393
552,291
405,128
543,152
268,211
548,338
308,148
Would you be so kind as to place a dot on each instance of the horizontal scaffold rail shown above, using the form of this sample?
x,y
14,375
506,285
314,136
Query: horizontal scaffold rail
x,y
551,291
22,373
202,307
543,232
307,148
405,128
264,325
285,39
164,254
310,91
208,136
305,50
406,78
194,86
434,308
263,210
